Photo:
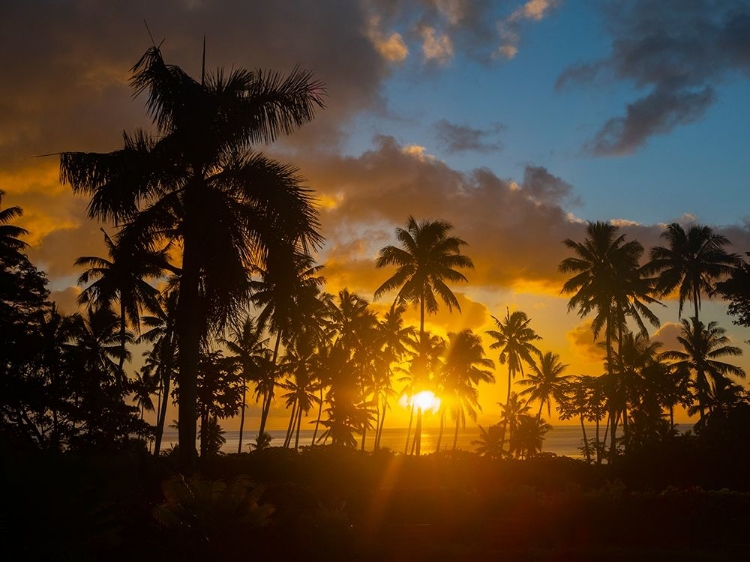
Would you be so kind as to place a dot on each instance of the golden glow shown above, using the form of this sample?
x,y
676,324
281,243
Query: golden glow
x,y
425,401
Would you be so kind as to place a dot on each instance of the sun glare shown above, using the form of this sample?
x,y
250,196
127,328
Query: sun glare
x,y
425,401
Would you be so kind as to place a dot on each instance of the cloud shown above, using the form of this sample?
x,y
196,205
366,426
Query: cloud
x,y
677,52
581,339
455,138
509,28
391,46
436,46
667,336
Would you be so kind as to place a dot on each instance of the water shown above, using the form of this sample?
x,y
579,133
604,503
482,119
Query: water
x,y
563,440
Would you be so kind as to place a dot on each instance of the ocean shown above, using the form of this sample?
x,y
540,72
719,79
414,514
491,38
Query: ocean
x,y
563,440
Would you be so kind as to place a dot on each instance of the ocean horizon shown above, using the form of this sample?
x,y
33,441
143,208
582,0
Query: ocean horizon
x,y
562,440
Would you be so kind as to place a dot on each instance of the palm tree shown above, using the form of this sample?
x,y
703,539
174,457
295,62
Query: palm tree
x,y
96,339
199,184
248,349
704,345
465,367
163,355
545,381
10,245
144,387
426,259
514,338
122,278
286,293
490,442
692,262
510,416
528,436
395,338
609,282
299,362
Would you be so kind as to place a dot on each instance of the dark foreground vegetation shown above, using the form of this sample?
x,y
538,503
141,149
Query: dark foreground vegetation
x,y
327,503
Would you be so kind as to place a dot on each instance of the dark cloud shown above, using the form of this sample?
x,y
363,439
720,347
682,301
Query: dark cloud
x,y
455,138
543,186
677,50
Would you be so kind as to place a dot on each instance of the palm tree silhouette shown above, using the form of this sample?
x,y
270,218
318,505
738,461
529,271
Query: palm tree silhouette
x,y
426,259
200,184
285,293
465,367
490,443
609,282
692,262
545,382
510,416
300,362
122,279
395,337
514,338
248,349
10,245
704,345
161,334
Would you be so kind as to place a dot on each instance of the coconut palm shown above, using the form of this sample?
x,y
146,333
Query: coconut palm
x,y
122,278
427,258
545,382
464,368
300,363
510,415
490,442
247,347
514,338
395,338
161,334
10,245
609,282
703,346
201,185
286,294
144,387
692,262
528,436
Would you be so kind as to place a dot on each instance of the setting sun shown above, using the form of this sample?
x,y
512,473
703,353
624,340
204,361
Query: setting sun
x,y
425,401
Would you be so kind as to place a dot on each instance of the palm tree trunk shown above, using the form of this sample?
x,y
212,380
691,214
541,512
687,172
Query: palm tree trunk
x,y
290,428
299,424
166,369
408,430
440,434
417,444
364,437
455,435
269,397
189,331
242,413
539,413
585,442
317,421
382,424
123,333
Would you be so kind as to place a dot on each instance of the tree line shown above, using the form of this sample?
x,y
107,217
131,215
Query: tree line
x,y
211,265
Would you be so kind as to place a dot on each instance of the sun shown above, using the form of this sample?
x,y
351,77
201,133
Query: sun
x,y
425,401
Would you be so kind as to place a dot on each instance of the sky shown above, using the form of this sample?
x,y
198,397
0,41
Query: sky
x,y
517,121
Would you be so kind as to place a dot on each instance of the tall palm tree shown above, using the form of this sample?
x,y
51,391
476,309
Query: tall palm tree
x,y
426,259
286,293
693,261
704,345
395,338
122,279
609,282
248,348
545,382
161,333
464,368
201,185
490,442
514,338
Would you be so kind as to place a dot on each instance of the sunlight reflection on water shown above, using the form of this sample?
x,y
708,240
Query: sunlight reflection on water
x,y
561,440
